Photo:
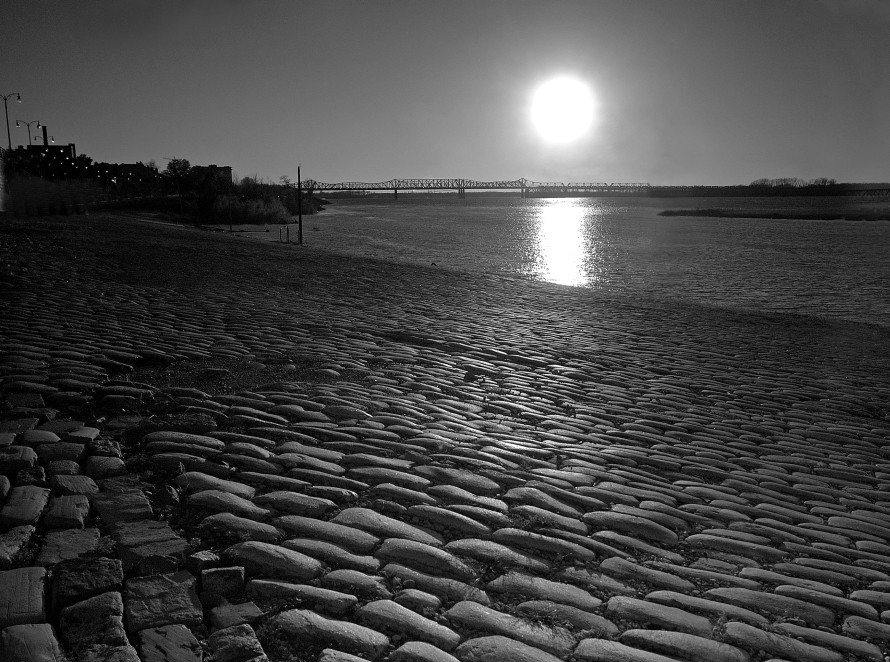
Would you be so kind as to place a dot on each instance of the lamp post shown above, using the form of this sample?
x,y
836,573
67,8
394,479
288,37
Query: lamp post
x,y
28,125
18,98
299,208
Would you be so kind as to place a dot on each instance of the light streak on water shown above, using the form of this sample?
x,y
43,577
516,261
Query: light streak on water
x,y
562,249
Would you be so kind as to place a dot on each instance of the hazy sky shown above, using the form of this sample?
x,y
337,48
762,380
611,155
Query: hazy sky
x,y
688,91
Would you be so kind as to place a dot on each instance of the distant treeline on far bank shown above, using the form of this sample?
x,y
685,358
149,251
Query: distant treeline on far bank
x,y
785,186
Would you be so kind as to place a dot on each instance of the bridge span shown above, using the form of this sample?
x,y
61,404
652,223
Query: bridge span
x,y
526,188
531,189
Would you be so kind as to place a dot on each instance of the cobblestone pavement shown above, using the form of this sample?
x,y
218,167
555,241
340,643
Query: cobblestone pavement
x,y
212,448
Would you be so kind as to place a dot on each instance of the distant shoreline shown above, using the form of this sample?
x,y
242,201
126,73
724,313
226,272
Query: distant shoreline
x,y
782,215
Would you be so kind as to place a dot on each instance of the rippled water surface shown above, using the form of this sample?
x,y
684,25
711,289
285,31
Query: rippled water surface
x,y
826,268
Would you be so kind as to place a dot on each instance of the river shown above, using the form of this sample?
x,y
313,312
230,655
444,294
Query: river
x,y
837,269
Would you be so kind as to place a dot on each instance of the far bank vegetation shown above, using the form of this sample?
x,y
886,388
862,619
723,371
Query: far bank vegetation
x,y
792,186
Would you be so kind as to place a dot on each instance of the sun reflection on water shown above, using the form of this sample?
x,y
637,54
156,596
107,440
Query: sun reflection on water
x,y
562,242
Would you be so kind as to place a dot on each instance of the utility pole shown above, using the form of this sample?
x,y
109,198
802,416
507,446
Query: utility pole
x,y
299,208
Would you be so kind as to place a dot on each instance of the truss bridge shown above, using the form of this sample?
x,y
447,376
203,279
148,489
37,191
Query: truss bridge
x,y
525,187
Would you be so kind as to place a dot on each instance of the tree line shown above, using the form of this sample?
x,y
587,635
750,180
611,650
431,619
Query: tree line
x,y
205,194
210,195
793,182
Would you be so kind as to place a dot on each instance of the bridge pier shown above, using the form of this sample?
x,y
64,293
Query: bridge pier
x,y
395,193
461,193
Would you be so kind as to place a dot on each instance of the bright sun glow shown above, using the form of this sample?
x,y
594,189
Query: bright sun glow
x,y
562,109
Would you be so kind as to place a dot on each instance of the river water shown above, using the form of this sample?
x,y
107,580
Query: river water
x,y
837,269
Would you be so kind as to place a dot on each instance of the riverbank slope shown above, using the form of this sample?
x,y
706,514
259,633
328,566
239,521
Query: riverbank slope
x,y
239,447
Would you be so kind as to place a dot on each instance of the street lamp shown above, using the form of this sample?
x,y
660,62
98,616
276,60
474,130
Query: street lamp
x,y
18,97
28,124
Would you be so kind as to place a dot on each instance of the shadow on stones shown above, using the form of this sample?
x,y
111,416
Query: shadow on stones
x,y
282,648
220,376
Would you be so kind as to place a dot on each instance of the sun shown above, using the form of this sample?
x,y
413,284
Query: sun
x,y
562,109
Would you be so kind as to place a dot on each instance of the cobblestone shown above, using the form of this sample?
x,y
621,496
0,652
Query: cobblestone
x,y
705,475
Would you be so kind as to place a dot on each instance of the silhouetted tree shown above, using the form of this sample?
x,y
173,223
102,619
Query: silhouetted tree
x,y
177,172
